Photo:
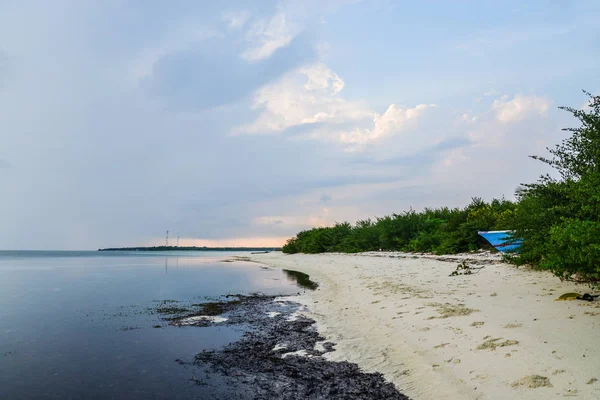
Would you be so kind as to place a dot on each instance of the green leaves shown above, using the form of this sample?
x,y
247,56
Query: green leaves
x,y
574,249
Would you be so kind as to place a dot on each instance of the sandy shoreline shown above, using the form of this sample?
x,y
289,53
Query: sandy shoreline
x,y
437,336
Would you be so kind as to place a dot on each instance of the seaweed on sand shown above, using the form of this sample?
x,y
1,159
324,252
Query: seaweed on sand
x,y
278,358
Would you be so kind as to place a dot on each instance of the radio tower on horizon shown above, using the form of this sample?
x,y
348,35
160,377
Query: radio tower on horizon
x,y
177,241
167,239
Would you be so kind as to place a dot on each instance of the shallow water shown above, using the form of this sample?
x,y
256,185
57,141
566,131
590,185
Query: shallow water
x,y
77,324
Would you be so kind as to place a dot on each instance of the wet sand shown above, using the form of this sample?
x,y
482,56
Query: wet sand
x,y
496,333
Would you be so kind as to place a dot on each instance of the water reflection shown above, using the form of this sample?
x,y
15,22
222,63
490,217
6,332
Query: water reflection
x,y
167,263
301,279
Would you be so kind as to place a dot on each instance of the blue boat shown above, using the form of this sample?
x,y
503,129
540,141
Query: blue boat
x,y
502,240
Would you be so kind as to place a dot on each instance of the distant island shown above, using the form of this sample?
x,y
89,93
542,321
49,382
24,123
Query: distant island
x,y
190,248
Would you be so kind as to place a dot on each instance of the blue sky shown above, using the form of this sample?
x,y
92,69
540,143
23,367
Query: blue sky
x,y
243,122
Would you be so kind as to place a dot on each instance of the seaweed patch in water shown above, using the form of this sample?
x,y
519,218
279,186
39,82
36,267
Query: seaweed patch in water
x,y
129,328
172,310
216,307
205,314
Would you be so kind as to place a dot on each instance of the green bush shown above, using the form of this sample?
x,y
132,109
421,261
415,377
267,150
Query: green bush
x,y
558,217
574,250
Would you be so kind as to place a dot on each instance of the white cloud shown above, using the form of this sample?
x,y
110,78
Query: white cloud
x,y
268,35
305,96
519,108
501,126
319,77
311,95
393,120
236,20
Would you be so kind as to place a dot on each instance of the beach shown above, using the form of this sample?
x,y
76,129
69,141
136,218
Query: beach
x,y
494,333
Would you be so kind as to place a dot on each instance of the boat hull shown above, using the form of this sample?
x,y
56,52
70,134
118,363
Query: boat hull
x,y
502,241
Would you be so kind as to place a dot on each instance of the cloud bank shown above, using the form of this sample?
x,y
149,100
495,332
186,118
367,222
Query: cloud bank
x,y
248,121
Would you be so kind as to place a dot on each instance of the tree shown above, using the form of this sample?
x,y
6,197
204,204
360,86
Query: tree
x,y
559,219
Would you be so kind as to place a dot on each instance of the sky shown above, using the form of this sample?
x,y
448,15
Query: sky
x,y
243,122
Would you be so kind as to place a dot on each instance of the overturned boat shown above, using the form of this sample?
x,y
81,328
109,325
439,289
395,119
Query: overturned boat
x,y
502,240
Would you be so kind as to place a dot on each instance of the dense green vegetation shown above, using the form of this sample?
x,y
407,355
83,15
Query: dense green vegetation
x,y
441,230
558,218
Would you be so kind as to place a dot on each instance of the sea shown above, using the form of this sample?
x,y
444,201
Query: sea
x,y
79,325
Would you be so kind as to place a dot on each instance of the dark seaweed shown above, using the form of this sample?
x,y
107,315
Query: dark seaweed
x,y
253,370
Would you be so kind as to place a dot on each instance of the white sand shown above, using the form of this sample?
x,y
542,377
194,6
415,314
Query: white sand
x,y
383,310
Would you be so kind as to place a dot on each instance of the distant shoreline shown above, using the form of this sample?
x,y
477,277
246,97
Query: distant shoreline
x,y
190,248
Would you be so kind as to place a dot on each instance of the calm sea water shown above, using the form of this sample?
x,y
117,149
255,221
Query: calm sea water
x,y
75,325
